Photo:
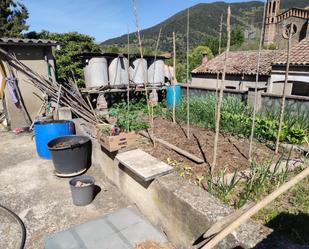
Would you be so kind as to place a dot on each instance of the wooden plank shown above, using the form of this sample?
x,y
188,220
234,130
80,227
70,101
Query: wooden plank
x,y
143,165
253,210
224,222
175,148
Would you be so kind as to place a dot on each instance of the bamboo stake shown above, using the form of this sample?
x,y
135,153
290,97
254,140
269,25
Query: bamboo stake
x,y
38,113
256,87
263,203
219,104
219,52
284,88
75,103
128,87
174,78
188,96
20,97
58,99
141,51
153,80
93,111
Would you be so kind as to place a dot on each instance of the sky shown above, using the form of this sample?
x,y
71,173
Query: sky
x,y
101,19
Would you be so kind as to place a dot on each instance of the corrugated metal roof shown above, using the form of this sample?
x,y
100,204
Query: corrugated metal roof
x,y
34,42
240,62
299,54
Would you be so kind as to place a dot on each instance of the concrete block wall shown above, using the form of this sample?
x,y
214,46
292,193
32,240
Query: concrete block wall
x,y
268,100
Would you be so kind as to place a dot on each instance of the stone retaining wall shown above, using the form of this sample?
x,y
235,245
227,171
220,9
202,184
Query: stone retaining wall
x,y
180,209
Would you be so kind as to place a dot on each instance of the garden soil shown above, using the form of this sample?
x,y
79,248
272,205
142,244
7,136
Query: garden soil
x,y
232,151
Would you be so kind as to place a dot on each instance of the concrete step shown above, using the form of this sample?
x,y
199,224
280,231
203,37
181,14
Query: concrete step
x,y
143,165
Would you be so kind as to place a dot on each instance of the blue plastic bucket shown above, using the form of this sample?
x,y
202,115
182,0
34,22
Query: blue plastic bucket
x,y
44,131
170,95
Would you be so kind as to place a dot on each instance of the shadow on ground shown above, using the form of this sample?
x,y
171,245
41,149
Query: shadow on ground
x,y
295,226
290,232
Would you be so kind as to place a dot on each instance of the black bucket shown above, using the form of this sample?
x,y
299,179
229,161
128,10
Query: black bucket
x,y
82,189
70,154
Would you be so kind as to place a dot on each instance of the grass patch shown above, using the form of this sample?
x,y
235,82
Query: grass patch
x,y
288,214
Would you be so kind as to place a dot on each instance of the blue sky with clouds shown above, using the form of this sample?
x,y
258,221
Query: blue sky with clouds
x,y
102,19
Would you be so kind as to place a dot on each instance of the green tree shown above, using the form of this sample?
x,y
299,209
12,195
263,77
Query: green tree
x,y
112,49
213,44
72,43
181,72
237,37
196,56
13,16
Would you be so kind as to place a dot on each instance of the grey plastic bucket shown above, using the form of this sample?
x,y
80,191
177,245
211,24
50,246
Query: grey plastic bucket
x,y
82,195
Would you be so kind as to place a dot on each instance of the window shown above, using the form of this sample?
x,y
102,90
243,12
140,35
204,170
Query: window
x,y
231,87
300,88
274,7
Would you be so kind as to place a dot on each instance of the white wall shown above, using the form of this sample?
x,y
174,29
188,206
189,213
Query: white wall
x,y
277,82
212,83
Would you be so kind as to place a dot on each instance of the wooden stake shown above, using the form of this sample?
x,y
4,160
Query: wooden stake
x,y
128,87
188,94
20,97
141,52
252,211
58,100
256,87
218,115
284,88
175,148
38,113
154,71
218,74
174,78
93,111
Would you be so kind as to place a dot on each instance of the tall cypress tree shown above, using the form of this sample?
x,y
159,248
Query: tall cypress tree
x,y
13,16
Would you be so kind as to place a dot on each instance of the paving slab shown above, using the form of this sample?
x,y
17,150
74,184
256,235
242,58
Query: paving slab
x,y
122,229
143,164
42,200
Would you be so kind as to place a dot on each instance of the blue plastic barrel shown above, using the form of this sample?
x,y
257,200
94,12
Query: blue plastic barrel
x,y
44,131
170,95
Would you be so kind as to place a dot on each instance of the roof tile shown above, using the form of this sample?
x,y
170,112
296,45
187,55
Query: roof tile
x,y
299,54
17,41
241,62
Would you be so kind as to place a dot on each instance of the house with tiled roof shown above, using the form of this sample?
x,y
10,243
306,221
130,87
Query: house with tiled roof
x,y
240,70
298,79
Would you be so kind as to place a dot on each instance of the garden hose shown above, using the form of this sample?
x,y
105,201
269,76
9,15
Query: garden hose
x,y
20,222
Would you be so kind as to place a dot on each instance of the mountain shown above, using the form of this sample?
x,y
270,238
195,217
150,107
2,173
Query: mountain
x,y
204,21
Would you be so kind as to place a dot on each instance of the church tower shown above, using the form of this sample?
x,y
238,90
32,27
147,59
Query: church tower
x,y
272,11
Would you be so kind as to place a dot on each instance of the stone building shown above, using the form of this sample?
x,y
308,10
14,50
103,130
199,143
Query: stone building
x,y
298,79
37,55
275,23
241,71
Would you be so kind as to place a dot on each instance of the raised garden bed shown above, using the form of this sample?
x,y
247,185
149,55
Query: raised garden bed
x,y
233,153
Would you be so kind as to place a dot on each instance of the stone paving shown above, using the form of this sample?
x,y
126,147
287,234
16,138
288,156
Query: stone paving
x,y
42,200
123,229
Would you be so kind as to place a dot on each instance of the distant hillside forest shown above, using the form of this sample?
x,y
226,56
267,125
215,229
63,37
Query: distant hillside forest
x,y
204,27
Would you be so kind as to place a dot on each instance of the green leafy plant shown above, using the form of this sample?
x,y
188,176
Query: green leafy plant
x,y
236,118
136,118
